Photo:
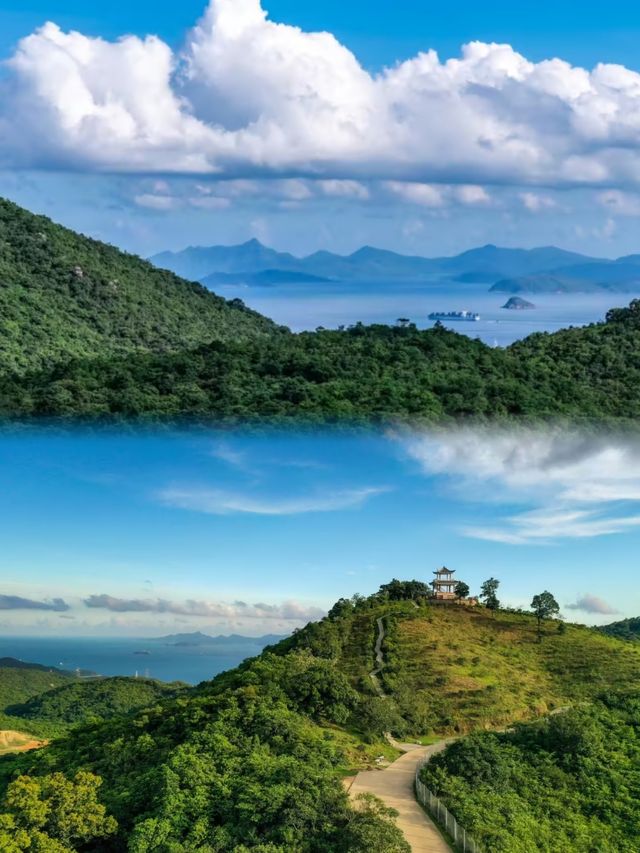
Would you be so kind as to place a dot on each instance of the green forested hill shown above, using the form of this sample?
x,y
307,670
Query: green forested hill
x,y
88,330
82,700
362,372
47,701
626,629
252,760
20,682
567,783
64,295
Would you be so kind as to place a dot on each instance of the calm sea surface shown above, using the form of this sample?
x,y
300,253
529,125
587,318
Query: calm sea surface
x,y
304,306
119,657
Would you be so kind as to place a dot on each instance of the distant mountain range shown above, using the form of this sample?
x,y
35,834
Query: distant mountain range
x,y
197,638
543,270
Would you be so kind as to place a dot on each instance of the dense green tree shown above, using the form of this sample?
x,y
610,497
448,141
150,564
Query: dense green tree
x,y
489,594
544,606
462,590
404,590
55,813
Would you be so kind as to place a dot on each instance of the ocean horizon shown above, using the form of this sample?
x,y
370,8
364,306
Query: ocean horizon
x,y
131,656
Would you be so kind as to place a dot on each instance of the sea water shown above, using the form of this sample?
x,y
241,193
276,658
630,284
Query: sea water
x,y
146,658
332,304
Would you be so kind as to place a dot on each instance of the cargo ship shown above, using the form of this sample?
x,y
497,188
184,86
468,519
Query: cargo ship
x,y
465,316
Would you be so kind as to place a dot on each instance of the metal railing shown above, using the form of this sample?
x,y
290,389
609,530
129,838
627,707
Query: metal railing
x,y
443,817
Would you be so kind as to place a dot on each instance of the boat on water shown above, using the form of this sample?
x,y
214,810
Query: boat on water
x,y
464,316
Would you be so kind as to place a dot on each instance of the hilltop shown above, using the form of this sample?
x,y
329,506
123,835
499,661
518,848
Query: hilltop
x,y
255,756
63,295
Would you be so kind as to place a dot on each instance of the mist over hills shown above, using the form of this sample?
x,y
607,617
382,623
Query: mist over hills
x,y
540,270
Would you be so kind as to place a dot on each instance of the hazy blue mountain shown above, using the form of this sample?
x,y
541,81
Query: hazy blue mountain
x,y
263,278
486,264
491,262
197,262
197,638
622,271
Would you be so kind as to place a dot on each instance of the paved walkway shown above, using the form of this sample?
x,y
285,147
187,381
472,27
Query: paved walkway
x,y
394,786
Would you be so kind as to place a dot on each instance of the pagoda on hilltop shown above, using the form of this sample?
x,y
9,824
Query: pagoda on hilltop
x,y
444,588
444,585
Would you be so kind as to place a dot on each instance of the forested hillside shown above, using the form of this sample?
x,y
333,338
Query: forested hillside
x,y
626,629
567,783
47,701
362,372
87,330
93,698
63,295
252,761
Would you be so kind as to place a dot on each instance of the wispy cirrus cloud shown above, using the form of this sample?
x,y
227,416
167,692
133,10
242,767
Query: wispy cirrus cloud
x,y
577,485
220,502
288,610
592,604
16,602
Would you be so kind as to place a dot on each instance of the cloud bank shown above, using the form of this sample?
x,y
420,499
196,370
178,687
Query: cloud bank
x,y
16,602
579,485
288,610
248,96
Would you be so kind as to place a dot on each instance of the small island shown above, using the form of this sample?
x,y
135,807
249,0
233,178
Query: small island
x,y
517,303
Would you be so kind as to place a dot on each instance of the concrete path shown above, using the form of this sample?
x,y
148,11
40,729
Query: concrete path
x,y
394,786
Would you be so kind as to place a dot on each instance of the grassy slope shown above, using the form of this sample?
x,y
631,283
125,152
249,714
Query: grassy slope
x,y
459,669
64,295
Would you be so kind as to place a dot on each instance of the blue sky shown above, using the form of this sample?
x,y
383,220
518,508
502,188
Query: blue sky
x,y
380,33
510,150
258,532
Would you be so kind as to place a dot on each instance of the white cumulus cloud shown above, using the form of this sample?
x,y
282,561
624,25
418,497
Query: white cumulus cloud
x,y
246,96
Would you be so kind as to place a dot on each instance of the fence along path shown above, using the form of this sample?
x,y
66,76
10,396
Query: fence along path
x,y
461,839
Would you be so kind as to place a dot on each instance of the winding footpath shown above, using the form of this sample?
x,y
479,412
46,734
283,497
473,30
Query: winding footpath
x,y
394,785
